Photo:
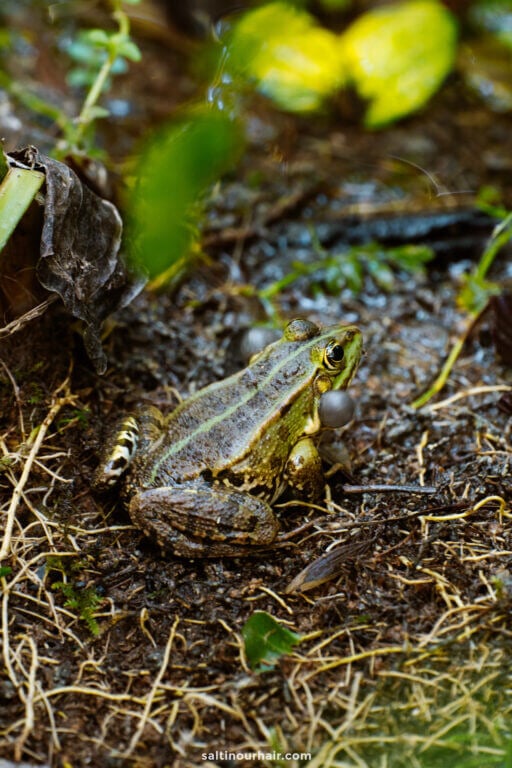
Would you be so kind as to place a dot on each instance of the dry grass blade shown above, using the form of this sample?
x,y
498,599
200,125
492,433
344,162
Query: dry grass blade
x,y
20,322
59,401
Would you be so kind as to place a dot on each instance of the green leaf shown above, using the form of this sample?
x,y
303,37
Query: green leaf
x,y
176,170
17,190
293,61
351,270
398,56
129,50
411,257
266,640
98,112
381,272
96,37
83,52
476,292
5,570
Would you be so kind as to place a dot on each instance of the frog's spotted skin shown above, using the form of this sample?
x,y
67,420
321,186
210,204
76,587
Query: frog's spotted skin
x,y
203,480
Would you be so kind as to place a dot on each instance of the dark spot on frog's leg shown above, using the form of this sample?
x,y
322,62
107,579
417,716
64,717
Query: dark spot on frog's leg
x,y
118,464
127,441
237,481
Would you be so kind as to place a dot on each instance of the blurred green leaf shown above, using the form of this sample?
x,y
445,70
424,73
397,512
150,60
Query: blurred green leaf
x,y
293,61
129,50
411,257
381,272
397,57
266,640
176,169
476,292
96,37
98,112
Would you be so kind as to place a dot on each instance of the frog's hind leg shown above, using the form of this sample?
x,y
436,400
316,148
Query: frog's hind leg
x,y
118,453
130,434
197,519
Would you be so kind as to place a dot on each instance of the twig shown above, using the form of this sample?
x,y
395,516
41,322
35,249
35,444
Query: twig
x,y
16,325
469,393
383,488
28,701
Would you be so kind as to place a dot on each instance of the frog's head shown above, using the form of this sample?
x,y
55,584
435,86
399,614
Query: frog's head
x,y
334,352
329,359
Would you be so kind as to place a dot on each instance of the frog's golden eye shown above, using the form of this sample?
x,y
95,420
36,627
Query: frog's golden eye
x,y
333,355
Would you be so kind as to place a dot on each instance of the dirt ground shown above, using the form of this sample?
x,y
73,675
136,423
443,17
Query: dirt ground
x,y
117,654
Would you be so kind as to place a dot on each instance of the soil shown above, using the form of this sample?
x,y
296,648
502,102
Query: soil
x,y
117,654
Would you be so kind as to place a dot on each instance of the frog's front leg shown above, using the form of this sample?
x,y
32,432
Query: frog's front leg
x,y
131,434
303,471
198,519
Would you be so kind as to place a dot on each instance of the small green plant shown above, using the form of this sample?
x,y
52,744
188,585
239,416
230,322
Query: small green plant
x,y
266,640
98,55
36,395
85,601
333,272
5,570
79,416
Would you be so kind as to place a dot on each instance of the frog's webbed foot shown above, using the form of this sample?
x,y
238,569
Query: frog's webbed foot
x,y
303,471
130,434
196,519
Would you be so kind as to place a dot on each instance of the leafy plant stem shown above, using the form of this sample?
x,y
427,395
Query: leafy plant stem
x,y
86,115
500,237
474,303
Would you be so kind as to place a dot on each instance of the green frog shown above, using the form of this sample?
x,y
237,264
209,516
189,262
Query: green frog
x,y
202,481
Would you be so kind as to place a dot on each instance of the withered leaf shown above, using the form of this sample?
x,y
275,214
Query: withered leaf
x,y
79,249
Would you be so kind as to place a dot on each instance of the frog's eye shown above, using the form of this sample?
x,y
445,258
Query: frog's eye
x,y
333,355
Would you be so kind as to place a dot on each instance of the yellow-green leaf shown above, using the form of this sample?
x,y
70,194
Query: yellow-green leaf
x,y
294,61
398,56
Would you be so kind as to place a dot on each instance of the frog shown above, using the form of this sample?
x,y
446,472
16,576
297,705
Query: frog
x,y
202,481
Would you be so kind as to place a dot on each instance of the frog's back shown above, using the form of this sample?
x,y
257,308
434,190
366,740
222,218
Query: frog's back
x,y
216,428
